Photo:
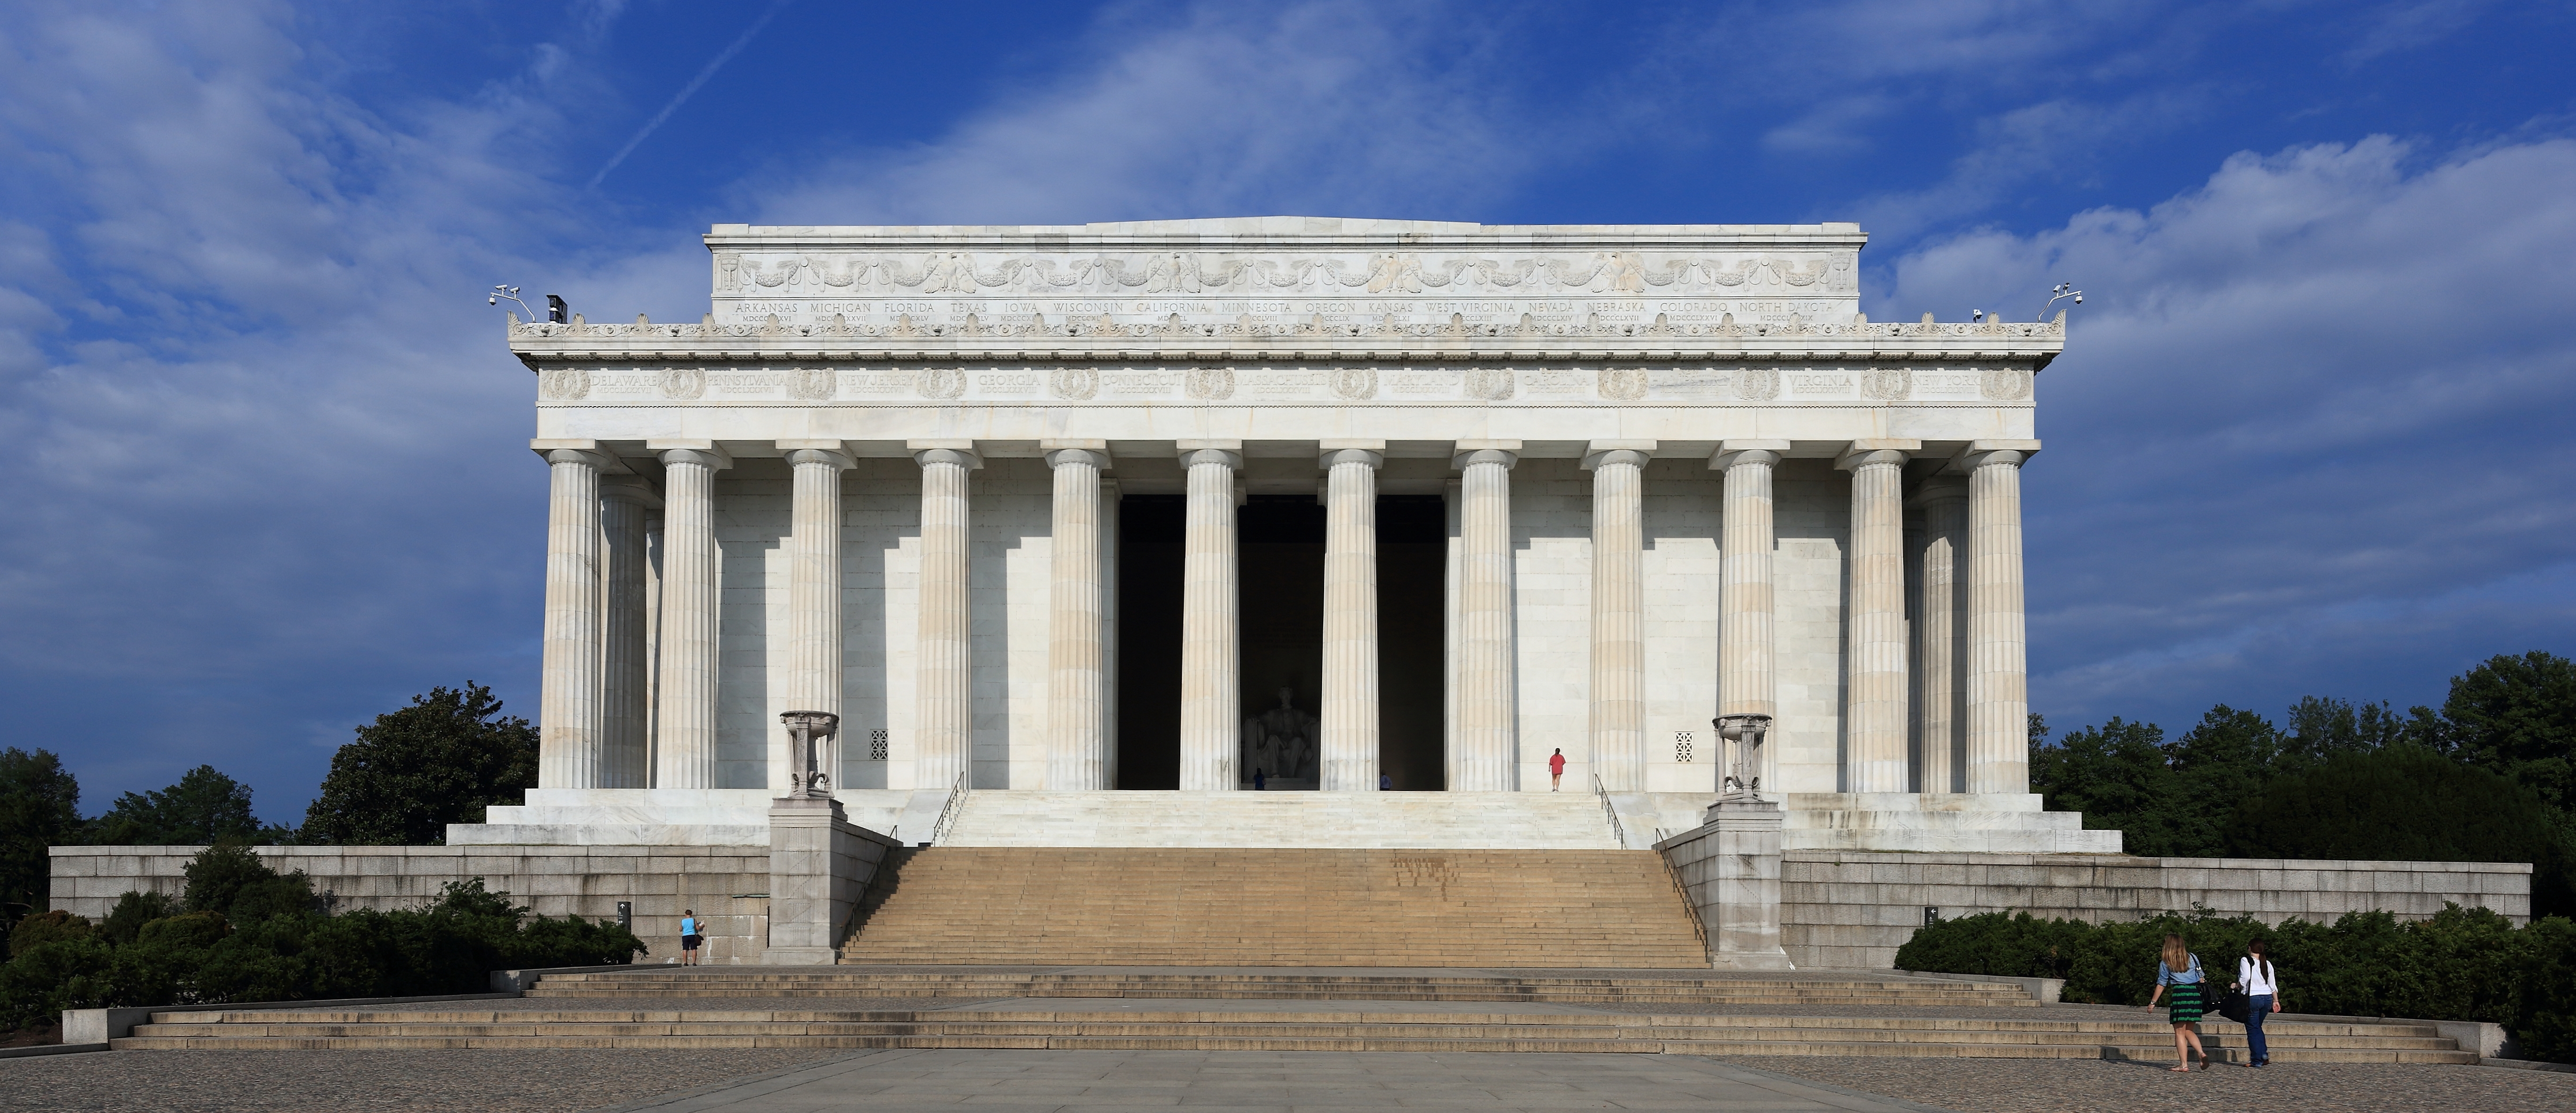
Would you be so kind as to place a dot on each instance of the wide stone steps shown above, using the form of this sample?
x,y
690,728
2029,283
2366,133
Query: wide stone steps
x,y
1269,820
1094,906
1706,990
1255,1030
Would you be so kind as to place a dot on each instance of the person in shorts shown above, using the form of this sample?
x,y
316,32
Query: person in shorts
x,y
688,937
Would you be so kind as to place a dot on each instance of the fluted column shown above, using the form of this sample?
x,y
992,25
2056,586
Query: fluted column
x,y
684,746
1874,716
1618,613
1488,758
1998,677
1077,677
1938,635
625,663
569,709
1747,682
1350,699
944,658
813,597
1109,554
1211,647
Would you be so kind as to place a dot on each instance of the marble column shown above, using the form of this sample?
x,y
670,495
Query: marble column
x,y
1618,613
625,657
1350,699
1747,678
1211,648
1939,635
684,713
813,595
1998,678
943,658
1874,685
1109,496
569,719
1078,755
1488,758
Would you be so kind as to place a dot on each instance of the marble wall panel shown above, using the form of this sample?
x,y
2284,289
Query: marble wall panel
x,y
1010,518
752,518
1682,505
1811,512
1552,618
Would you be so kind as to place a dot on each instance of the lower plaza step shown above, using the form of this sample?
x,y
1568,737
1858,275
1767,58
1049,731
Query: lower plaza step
x,y
1248,1029
1572,820
1137,906
1637,987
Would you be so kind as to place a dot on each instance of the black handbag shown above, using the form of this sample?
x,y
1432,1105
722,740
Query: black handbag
x,y
2232,1004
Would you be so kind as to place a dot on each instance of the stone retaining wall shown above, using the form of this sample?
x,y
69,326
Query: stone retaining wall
x,y
726,885
1853,909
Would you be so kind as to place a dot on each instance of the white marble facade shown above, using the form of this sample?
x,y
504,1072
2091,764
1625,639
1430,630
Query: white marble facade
x,y
1522,373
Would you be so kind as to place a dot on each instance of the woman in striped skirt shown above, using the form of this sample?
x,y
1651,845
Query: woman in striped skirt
x,y
2180,972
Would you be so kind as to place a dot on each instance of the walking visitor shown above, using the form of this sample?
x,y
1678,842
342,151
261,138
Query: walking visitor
x,y
2180,972
688,937
2262,986
1555,769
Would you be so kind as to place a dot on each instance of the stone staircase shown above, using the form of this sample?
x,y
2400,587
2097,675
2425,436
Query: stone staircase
x,y
1109,906
1447,820
1252,1029
1609,987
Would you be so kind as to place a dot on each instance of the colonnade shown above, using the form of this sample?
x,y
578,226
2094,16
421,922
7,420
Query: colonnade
x,y
1970,690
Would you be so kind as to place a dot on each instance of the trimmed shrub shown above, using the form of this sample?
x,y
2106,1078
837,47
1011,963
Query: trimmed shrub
x,y
2462,964
49,927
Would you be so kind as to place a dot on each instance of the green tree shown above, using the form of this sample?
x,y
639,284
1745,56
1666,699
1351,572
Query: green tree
x,y
2320,728
441,760
2406,803
2117,776
204,807
39,807
2218,764
2517,716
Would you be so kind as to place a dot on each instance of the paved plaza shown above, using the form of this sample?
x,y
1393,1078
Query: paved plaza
x,y
569,1081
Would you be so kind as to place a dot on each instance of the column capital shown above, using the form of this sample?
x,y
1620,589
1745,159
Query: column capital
x,y
1060,453
704,453
1877,451
1731,453
1228,453
1633,452
1939,488
959,452
1465,453
1980,453
575,450
836,453
1331,457
630,488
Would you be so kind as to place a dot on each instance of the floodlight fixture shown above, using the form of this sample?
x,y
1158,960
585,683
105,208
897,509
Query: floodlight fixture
x,y
2058,293
511,293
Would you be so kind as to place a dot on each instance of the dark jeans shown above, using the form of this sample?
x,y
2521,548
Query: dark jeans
x,y
2256,1008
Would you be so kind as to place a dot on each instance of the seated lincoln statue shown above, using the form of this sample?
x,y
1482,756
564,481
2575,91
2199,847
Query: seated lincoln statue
x,y
1280,742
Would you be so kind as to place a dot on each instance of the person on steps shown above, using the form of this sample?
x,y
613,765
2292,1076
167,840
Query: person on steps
x,y
2180,972
688,937
2262,987
1555,769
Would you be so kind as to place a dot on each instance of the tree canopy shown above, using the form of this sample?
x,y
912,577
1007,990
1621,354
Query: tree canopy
x,y
39,807
441,760
204,807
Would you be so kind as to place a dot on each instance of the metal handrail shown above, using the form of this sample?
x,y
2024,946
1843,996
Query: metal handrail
x,y
949,811
1616,832
1699,927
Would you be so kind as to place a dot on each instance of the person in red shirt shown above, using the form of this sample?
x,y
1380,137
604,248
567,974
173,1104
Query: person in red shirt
x,y
1555,770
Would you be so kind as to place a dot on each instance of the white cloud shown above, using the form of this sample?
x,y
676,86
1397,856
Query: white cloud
x,y
2322,394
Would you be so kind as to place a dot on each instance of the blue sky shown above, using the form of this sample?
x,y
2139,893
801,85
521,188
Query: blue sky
x,y
263,450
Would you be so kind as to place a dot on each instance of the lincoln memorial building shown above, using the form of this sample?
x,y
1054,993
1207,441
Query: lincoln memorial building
x,y
1086,533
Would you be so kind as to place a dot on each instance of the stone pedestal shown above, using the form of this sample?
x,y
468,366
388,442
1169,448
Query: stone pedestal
x,y
1730,869
819,865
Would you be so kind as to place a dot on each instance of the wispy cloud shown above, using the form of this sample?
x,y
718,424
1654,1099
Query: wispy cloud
x,y
688,90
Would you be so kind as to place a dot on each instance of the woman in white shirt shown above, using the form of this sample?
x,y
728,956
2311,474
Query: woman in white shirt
x,y
2262,987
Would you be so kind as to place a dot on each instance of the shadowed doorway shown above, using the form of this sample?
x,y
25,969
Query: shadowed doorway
x,y
1280,550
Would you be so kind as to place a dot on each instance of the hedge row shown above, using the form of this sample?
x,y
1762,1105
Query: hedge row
x,y
243,932
2463,964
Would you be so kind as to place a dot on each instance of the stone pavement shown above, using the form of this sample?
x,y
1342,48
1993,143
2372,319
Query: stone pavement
x,y
901,1081
2093,1086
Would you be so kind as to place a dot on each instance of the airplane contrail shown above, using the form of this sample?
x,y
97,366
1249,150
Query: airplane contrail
x,y
686,91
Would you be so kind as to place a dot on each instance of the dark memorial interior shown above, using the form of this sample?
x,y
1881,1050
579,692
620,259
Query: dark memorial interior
x,y
1280,540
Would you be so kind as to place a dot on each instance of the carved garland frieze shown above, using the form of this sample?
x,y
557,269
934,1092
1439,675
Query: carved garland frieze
x,y
959,272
